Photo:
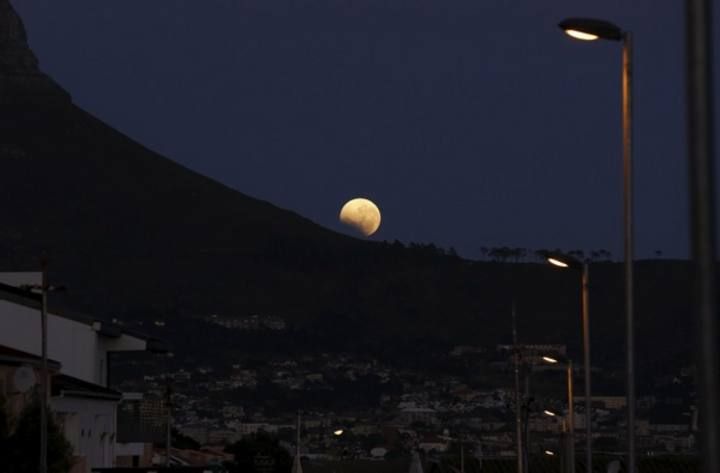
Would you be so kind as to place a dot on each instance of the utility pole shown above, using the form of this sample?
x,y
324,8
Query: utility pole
x,y
701,170
44,384
297,463
588,368
526,418
518,400
168,411
570,418
44,287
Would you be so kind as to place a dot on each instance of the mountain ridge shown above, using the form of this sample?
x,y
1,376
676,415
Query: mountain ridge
x,y
136,236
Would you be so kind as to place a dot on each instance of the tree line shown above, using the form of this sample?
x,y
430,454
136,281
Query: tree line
x,y
504,254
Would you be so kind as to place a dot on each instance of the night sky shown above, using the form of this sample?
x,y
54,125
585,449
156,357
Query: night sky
x,y
470,123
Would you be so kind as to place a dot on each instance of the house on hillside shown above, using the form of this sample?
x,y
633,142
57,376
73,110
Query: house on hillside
x,y
410,415
670,420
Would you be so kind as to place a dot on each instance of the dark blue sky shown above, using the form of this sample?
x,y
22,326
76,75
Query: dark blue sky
x,y
470,123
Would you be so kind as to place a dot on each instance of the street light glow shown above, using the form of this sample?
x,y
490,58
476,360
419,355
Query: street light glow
x,y
590,29
549,359
549,453
581,35
549,413
558,263
338,432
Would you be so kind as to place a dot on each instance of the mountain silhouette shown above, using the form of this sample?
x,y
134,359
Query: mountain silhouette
x,y
100,205
135,236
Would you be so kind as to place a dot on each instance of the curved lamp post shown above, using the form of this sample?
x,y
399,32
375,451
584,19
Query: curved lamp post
x,y
567,262
571,410
589,29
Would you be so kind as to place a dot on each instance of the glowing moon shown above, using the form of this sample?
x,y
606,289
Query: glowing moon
x,y
361,214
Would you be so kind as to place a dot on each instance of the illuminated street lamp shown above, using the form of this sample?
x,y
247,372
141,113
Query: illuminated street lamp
x,y
340,432
567,262
571,410
557,262
588,29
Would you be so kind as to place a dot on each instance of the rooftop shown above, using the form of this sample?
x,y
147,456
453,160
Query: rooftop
x,y
16,357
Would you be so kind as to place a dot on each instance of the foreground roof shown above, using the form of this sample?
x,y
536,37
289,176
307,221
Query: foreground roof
x,y
11,356
67,386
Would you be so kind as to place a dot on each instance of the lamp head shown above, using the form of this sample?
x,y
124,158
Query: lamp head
x,y
549,413
590,29
563,261
550,359
557,262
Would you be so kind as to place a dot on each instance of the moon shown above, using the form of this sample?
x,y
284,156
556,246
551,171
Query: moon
x,y
361,214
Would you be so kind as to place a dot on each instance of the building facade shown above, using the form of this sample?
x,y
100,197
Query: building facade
x,y
81,347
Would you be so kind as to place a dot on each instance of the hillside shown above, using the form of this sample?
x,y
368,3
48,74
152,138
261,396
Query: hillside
x,y
136,236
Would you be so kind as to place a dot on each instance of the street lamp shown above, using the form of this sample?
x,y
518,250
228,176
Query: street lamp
x,y
567,262
339,432
571,410
589,29
518,413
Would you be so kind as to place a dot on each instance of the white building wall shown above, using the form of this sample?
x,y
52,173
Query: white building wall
x,y
17,279
74,344
90,427
80,349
